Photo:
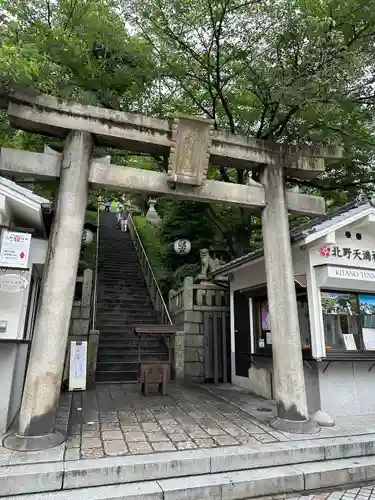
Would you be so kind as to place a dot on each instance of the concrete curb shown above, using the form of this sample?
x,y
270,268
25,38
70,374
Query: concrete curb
x,y
323,459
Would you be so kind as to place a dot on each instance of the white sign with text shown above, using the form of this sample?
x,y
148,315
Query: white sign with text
x,y
77,366
15,248
351,273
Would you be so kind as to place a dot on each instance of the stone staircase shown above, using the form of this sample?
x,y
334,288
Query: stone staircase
x,y
122,301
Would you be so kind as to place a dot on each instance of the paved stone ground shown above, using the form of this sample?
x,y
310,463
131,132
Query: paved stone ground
x,y
365,493
112,421
262,411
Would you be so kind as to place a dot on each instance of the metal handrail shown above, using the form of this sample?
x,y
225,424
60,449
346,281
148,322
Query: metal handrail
x,y
152,284
94,301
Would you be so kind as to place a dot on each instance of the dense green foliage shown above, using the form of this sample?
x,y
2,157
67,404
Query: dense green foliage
x,y
300,71
150,238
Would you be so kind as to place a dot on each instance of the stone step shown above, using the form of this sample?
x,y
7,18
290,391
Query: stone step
x,y
122,288
130,341
128,317
125,328
142,305
107,320
115,325
231,473
124,295
126,357
135,491
126,309
123,291
110,279
127,320
127,366
109,349
121,268
117,376
116,366
124,264
121,313
128,349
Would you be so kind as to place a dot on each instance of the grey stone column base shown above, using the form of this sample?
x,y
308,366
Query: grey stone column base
x,y
16,442
295,426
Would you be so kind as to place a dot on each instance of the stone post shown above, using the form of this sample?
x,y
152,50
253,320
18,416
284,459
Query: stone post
x,y
289,382
179,356
188,293
43,380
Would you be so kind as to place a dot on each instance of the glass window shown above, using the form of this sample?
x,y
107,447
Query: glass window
x,y
341,321
262,327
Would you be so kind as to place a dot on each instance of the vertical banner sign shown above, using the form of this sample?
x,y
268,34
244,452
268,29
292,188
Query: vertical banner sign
x,y
15,248
77,366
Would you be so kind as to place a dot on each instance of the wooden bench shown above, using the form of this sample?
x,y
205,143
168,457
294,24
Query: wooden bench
x,y
155,371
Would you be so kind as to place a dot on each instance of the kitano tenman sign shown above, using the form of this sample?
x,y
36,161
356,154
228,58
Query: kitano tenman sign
x,y
351,273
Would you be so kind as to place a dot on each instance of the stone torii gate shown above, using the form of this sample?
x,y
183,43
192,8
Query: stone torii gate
x,y
191,145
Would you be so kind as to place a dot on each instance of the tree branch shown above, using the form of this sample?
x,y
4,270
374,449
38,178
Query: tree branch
x,y
212,215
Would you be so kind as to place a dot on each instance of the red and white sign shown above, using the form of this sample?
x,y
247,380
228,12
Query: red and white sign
x,y
15,248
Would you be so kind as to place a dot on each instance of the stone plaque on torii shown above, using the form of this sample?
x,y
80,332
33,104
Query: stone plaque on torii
x,y
191,145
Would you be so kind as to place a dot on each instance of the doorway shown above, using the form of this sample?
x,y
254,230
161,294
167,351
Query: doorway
x,y
242,341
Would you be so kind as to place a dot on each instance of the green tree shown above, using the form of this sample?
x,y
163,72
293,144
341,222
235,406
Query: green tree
x,y
284,70
77,49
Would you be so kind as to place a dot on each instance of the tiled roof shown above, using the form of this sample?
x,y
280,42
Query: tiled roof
x,y
300,232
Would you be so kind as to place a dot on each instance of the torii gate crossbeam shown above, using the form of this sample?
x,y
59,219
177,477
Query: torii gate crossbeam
x,y
18,164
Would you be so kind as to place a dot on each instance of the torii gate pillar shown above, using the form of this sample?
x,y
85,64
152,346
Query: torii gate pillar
x,y
41,394
289,380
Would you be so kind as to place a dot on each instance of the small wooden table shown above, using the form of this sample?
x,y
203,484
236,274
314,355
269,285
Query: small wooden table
x,y
155,371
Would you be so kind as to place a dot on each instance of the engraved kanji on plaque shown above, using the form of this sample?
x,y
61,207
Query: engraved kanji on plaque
x,y
190,152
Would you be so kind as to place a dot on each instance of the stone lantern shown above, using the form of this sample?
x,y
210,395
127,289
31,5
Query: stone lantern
x,y
152,216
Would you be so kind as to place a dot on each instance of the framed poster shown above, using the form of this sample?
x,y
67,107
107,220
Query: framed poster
x,y
265,315
367,310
